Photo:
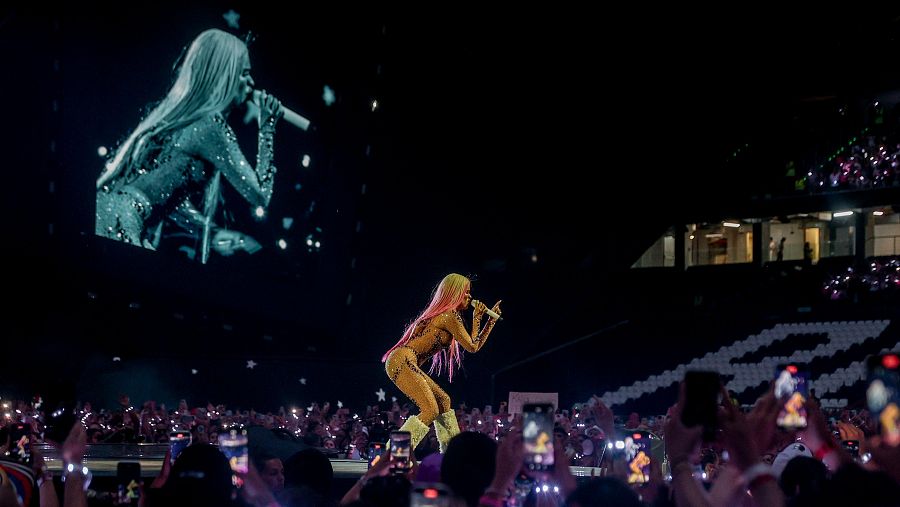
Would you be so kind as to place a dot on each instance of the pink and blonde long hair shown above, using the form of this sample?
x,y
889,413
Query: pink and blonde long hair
x,y
448,295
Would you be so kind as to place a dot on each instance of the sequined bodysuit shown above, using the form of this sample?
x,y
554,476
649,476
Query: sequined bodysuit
x,y
179,165
403,366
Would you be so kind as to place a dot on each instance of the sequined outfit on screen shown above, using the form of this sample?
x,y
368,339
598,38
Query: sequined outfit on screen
x,y
176,166
403,366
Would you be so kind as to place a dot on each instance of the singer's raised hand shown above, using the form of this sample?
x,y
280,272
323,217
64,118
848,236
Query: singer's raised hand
x,y
480,308
496,308
269,107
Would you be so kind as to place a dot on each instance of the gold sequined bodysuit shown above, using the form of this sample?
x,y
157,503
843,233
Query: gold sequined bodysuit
x,y
403,366
176,166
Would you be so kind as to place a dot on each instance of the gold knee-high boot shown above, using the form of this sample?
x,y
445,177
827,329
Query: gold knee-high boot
x,y
417,431
446,427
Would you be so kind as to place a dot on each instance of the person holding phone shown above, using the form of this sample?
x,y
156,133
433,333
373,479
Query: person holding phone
x,y
437,333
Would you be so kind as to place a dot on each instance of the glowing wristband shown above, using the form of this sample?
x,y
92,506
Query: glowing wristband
x,y
77,469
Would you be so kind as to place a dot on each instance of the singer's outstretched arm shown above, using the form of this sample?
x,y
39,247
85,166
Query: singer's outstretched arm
x,y
452,322
217,143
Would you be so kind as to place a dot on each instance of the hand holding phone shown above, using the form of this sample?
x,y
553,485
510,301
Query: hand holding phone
x,y
537,436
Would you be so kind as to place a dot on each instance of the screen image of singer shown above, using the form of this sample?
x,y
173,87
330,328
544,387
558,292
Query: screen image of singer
x,y
247,198
196,176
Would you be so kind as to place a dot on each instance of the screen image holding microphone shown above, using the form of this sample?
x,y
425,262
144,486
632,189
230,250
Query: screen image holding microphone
x,y
290,116
230,209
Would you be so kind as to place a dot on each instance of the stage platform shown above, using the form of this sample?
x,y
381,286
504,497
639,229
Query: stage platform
x,y
103,459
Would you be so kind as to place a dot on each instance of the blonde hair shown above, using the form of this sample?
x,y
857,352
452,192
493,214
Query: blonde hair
x,y
206,83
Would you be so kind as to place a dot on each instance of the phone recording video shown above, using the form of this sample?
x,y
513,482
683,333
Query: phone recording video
x,y
20,442
701,400
425,494
792,391
178,441
401,453
234,446
883,395
128,476
537,433
637,455
374,453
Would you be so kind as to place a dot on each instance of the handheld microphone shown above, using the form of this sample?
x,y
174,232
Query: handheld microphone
x,y
494,315
289,116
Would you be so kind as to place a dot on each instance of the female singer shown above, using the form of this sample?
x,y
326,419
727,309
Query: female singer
x,y
437,333
183,146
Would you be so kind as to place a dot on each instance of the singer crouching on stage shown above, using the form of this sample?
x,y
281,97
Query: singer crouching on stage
x,y
437,333
183,147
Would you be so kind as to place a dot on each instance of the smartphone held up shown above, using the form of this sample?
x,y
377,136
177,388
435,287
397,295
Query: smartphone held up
x,y
537,435
234,446
701,401
178,441
20,442
400,452
792,393
374,454
883,395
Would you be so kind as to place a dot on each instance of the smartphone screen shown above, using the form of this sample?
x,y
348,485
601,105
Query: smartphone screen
x,y
128,474
792,391
178,441
20,442
537,434
375,453
400,452
701,394
883,395
429,495
637,455
234,446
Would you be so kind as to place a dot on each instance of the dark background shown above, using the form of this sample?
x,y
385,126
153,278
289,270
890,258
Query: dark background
x,y
571,136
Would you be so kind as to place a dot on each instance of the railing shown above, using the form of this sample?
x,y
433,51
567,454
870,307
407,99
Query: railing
x,y
878,245
103,460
